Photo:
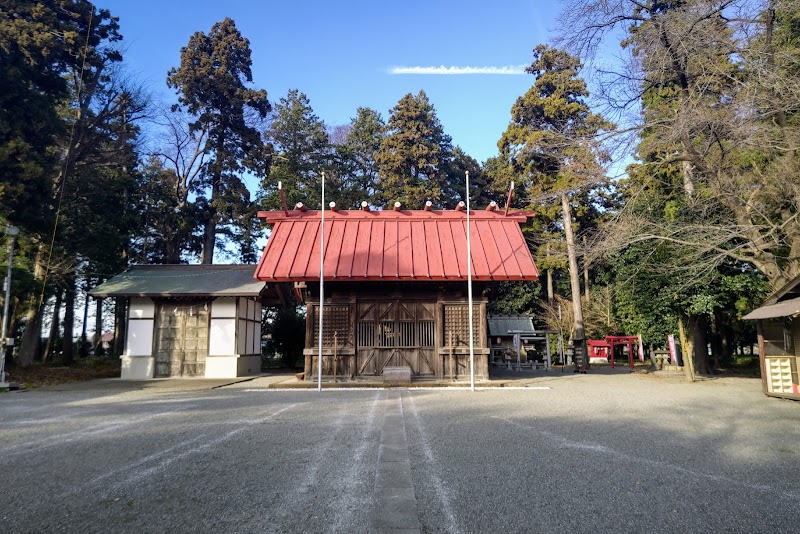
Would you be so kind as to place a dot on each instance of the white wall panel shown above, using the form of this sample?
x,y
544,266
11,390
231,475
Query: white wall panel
x,y
139,341
224,307
142,308
250,335
222,337
221,367
242,345
137,367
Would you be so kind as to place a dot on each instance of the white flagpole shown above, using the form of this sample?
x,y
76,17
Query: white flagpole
x,y
469,299
321,281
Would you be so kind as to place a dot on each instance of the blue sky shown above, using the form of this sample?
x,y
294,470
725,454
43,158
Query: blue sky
x,y
340,54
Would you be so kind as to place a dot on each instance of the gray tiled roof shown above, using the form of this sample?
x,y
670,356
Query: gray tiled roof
x,y
507,325
182,281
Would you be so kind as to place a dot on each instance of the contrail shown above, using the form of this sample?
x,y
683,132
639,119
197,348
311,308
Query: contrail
x,y
507,69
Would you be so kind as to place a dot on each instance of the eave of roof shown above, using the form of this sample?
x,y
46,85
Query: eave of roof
x,y
786,308
395,245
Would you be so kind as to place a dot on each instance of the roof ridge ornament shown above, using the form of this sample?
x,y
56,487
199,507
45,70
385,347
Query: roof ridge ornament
x,y
510,194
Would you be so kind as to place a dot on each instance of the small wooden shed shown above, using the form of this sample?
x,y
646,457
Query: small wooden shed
x,y
503,328
778,329
395,285
191,320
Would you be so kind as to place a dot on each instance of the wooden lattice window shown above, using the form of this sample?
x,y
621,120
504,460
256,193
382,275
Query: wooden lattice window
x,y
426,330
407,334
387,334
456,321
336,319
366,334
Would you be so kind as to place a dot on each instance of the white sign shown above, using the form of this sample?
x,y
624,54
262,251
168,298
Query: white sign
x,y
673,355
641,349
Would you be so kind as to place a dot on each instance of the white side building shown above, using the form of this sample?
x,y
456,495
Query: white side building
x,y
191,320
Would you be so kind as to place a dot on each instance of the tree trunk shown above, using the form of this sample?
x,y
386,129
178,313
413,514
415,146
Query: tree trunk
x,y
173,251
119,326
97,341
717,339
47,354
585,272
67,354
688,178
209,241
687,345
31,341
210,231
84,347
575,285
550,293
700,345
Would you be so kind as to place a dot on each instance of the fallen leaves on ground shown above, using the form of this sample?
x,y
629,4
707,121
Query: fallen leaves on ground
x,y
49,375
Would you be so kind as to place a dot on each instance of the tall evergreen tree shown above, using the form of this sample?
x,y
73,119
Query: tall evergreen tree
x,y
299,139
414,156
212,84
63,57
42,48
552,145
355,158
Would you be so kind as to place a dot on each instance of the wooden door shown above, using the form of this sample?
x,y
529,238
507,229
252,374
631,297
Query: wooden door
x,y
395,334
181,343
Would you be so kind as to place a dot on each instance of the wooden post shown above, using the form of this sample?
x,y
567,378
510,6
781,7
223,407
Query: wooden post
x,y
452,374
761,361
547,351
335,347
439,337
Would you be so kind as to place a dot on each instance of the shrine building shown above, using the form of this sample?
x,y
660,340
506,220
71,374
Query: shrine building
x,y
395,285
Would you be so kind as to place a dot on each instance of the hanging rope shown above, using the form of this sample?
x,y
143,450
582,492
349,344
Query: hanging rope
x,y
65,166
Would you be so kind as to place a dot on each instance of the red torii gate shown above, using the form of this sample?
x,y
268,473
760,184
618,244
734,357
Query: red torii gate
x,y
598,347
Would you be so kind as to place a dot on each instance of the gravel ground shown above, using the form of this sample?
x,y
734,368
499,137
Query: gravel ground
x,y
574,453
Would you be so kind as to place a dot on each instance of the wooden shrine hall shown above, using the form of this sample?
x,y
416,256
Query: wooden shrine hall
x,y
395,284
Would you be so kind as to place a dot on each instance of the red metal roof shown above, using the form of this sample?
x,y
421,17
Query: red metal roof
x,y
395,245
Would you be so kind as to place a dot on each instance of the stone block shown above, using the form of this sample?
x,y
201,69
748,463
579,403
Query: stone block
x,y
397,375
